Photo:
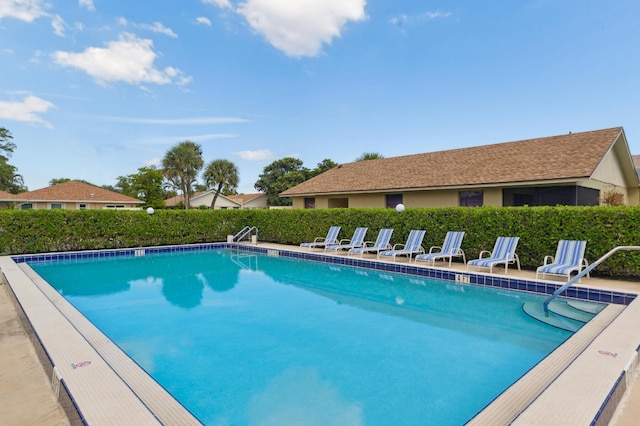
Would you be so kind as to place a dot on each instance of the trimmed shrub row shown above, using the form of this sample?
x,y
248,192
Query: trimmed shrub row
x,y
539,229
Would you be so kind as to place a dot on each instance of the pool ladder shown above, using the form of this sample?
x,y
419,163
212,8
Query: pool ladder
x,y
582,273
244,233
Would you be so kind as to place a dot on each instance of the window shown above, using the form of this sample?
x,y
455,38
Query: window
x,y
471,198
310,203
393,200
82,206
114,206
55,206
550,196
26,206
338,203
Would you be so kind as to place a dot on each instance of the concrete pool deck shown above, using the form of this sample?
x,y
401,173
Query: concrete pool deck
x,y
28,397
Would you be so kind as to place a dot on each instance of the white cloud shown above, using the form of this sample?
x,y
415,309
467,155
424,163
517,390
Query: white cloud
x,y
129,59
58,25
28,110
157,27
435,15
259,155
87,4
403,19
8,51
222,4
300,28
204,21
24,10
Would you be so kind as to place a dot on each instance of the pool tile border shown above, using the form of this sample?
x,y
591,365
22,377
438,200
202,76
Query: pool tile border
x,y
468,277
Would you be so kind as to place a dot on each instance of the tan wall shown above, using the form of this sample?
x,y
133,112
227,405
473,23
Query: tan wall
x,y
367,201
74,205
609,171
414,199
492,197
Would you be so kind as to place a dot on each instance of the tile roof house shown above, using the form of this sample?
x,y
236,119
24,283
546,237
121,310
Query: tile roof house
x,y
74,195
569,169
224,202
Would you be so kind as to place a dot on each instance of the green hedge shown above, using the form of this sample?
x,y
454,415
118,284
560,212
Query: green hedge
x,y
539,229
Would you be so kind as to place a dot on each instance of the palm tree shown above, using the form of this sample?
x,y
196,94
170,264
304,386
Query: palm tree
x,y
369,156
181,165
222,175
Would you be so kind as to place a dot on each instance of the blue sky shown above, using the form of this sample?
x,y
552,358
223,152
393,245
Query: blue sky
x,y
95,89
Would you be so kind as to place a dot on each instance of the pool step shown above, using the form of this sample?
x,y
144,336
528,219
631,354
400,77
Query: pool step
x,y
536,311
562,308
583,305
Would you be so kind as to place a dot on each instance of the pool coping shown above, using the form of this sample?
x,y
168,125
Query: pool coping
x,y
64,362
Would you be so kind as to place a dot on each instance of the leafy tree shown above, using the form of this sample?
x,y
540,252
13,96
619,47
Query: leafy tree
x,y
5,142
145,185
369,156
322,167
181,165
279,176
221,175
58,180
10,180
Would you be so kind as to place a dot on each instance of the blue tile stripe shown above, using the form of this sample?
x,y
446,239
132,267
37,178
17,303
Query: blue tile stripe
x,y
510,283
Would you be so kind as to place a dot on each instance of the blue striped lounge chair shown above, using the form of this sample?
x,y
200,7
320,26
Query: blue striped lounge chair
x,y
411,247
504,252
320,242
381,243
450,249
569,258
356,241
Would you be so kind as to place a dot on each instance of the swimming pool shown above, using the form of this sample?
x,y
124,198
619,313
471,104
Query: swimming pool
x,y
244,338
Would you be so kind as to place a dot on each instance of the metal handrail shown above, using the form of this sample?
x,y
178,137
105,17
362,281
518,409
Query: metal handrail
x,y
241,233
582,273
244,232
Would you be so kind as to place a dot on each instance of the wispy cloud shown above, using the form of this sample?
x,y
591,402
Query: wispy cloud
x,y
203,21
302,27
258,155
403,19
129,59
164,140
173,121
24,10
58,25
156,27
87,4
222,4
28,110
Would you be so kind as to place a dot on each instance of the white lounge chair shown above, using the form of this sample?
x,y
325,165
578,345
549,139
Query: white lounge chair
x,y
356,241
569,258
411,247
320,242
450,249
504,252
381,243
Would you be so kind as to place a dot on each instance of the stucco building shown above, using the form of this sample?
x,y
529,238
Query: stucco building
x,y
571,169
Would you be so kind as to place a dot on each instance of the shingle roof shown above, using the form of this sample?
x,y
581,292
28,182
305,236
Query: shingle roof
x,y
245,198
76,191
571,156
4,195
177,199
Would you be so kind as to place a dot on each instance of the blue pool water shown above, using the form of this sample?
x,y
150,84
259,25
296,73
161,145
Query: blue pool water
x,y
245,339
